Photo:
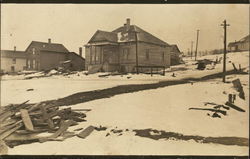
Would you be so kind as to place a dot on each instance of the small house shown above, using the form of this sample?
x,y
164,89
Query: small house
x,y
241,45
175,55
12,61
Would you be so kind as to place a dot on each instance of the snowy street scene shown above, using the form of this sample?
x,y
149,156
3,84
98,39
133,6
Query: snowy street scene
x,y
125,86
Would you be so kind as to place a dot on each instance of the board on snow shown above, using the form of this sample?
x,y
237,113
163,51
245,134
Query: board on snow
x,y
86,132
231,105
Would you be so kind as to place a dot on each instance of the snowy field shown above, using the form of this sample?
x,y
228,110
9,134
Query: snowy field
x,y
14,88
165,109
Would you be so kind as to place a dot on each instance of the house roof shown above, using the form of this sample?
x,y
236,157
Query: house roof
x,y
142,35
77,55
101,36
245,39
174,46
52,47
13,54
118,36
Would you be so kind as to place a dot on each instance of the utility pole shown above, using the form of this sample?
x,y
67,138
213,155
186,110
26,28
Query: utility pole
x,y
192,49
197,44
225,49
136,51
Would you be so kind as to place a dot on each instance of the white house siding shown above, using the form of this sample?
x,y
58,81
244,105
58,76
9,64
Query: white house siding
x,y
7,63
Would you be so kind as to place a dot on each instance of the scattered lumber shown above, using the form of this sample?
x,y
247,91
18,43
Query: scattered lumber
x,y
26,119
210,109
237,85
231,105
22,123
86,132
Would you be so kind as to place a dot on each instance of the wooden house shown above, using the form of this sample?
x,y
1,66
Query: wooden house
x,y
12,61
43,56
125,49
175,54
241,45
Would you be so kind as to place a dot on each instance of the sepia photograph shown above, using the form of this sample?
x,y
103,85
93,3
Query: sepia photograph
x,y
124,79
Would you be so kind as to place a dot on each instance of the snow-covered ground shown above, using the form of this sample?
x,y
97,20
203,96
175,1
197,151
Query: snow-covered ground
x,y
14,88
161,109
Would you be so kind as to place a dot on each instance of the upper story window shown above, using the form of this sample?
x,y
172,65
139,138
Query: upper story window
x,y
147,54
33,51
14,61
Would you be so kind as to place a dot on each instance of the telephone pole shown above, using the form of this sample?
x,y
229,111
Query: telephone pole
x,y
136,51
225,49
196,44
192,49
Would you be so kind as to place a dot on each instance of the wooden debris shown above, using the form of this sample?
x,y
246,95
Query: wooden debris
x,y
3,148
86,132
26,119
231,105
212,110
235,69
19,124
239,88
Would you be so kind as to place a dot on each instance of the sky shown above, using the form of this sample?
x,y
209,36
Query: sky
x,y
74,24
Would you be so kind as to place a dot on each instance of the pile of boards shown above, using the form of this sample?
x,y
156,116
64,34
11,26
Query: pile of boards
x,y
23,123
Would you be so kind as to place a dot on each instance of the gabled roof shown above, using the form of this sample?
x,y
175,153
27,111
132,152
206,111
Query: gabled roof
x,y
174,46
142,35
118,34
246,38
101,36
52,47
77,55
13,54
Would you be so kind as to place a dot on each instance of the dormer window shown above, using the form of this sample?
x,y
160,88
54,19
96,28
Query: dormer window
x,y
33,51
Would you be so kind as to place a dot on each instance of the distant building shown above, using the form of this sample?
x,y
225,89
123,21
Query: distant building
x,y
43,56
12,61
74,62
175,55
241,45
116,50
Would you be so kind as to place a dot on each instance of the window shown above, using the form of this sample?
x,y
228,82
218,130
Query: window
x,y
14,61
125,53
147,54
28,64
33,51
163,56
12,68
34,64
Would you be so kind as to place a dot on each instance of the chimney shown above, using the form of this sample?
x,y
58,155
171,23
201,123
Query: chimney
x,y
124,28
128,24
80,51
49,41
14,48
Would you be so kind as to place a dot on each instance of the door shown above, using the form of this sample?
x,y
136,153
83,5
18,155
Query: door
x,y
12,68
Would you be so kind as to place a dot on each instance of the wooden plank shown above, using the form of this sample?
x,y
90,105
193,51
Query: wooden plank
x,y
46,117
64,126
26,119
86,132
231,105
9,132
